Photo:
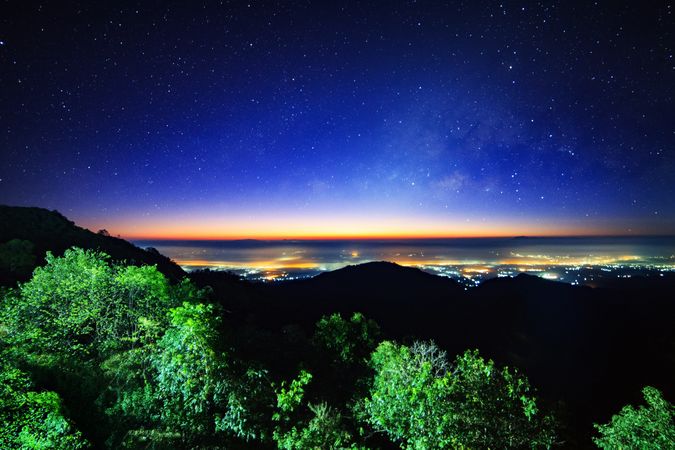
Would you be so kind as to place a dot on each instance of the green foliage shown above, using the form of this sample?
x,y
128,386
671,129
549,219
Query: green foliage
x,y
340,377
175,388
30,419
323,431
346,342
343,352
645,427
310,427
115,340
79,307
56,313
421,401
189,370
130,400
249,406
289,398
143,364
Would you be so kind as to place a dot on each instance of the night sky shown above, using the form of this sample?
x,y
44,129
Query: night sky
x,y
279,119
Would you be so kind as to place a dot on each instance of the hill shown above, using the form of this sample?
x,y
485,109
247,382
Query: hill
x,y
26,234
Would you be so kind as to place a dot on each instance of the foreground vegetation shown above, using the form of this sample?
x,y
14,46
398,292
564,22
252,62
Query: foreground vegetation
x,y
107,355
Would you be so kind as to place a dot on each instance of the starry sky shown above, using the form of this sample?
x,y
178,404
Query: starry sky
x,y
317,118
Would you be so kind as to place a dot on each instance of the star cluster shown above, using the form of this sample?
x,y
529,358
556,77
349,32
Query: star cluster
x,y
545,117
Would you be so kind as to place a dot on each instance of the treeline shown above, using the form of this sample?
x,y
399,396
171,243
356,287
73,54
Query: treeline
x,y
104,355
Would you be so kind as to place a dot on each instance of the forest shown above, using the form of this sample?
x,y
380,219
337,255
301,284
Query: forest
x,y
101,354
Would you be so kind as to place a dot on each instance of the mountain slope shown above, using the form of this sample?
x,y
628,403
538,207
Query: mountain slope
x,y
34,231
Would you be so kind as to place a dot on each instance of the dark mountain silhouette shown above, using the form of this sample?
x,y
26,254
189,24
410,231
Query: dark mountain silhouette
x,y
383,282
41,230
382,290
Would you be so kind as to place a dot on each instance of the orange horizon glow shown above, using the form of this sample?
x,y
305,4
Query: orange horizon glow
x,y
209,234
341,237
403,235
197,236
350,237
215,226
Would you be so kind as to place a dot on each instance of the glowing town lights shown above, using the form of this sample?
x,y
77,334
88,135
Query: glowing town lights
x,y
475,270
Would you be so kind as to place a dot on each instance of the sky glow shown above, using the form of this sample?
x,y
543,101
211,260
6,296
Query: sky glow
x,y
333,119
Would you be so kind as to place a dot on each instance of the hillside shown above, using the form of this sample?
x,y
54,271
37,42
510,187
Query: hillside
x,y
26,234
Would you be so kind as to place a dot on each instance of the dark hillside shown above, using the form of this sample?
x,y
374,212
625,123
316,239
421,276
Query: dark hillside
x,y
404,299
36,230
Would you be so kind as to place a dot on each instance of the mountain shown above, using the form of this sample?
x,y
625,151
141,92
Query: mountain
x,y
403,297
381,281
26,234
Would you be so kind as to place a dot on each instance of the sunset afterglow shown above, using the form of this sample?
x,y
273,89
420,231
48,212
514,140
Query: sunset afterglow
x,y
207,225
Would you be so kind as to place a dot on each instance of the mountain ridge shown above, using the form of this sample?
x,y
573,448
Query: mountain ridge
x,y
51,231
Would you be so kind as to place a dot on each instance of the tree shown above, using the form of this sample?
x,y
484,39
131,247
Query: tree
x,y
176,387
189,370
310,426
78,307
323,431
31,419
346,342
422,401
343,348
249,403
56,312
82,324
643,427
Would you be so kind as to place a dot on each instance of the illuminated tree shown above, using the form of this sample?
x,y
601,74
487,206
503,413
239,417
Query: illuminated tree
x,y
307,426
346,342
31,419
648,426
421,401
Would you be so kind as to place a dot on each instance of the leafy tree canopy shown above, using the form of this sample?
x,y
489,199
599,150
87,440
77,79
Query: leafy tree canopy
x,y
422,401
79,307
301,425
649,426
31,419
346,342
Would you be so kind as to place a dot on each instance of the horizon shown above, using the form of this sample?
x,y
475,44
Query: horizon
x,y
471,260
394,238
181,232
207,225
